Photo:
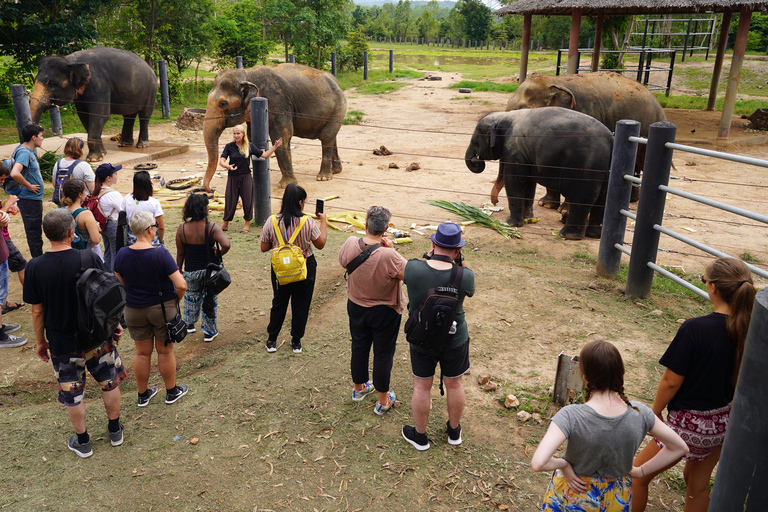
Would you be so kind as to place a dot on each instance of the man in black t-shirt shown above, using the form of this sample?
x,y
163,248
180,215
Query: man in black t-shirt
x,y
50,288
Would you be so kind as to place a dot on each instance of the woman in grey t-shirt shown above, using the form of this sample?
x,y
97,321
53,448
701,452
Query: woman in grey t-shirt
x,y
603,435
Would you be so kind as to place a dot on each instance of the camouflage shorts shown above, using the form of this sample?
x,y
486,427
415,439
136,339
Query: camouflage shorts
x,y
103,363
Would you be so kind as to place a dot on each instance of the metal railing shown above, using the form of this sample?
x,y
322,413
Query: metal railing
x,y
650,209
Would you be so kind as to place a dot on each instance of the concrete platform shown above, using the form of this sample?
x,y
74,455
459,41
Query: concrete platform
x,y
115,155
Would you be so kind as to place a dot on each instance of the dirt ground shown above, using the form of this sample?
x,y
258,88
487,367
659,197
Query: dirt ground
x,y
280,429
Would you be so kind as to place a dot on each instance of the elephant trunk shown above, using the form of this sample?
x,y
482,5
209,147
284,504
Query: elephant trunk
x,y
473,161
213,126
39,102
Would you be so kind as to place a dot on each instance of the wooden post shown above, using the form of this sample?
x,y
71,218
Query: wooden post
x,y
573,43
524,47
717,71
598,40
567,378
733,77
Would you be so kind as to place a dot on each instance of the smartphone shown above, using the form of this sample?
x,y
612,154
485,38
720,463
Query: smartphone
x,y
319,205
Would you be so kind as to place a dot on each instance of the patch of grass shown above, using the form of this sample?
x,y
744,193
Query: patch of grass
x,y
355,78
353,117
380,87
485,86
700,103
585,257
745,256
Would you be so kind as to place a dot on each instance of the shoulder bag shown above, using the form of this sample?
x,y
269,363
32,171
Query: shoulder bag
x,y
216,276
177,327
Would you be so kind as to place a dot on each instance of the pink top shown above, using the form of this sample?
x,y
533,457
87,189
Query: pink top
x,y
375,282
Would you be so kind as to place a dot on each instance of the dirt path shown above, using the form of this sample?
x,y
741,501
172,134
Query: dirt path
x,y
281,428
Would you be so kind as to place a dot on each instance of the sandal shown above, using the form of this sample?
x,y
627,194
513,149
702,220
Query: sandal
x,y
12,306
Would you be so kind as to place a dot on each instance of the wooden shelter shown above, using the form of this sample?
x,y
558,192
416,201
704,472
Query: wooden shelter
x,y
599,8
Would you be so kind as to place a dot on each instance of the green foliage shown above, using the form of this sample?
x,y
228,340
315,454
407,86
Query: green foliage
x,y
353,117
238,35
611,61
352,55
318,25
477,19
355,78
746,107
32,29
484,86
748,257
428,25
380,87
47,161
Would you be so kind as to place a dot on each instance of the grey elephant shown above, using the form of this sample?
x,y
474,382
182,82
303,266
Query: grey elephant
x,y
555,147
100,81
303,101
606,96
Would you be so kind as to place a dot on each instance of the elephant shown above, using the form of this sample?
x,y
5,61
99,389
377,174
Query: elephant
x,y
555,147
100,81
303,101
606,96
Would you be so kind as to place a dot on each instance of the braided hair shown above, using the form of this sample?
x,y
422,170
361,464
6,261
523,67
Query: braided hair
x,y
602,369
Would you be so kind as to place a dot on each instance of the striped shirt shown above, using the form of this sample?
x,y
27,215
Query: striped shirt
x,y
310,231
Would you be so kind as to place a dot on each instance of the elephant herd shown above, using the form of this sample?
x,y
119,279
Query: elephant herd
x,y
566,147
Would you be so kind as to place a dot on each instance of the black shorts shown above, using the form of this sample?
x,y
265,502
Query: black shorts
x,y
453,362
16,262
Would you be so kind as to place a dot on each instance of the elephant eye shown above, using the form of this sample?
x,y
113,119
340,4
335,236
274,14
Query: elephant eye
x,y
223,103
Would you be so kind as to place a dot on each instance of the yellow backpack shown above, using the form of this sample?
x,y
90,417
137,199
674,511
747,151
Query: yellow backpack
x,y
288,261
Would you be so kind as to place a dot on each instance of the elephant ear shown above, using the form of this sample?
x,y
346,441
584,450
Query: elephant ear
x,y
248,90
561,97
495,141
79,75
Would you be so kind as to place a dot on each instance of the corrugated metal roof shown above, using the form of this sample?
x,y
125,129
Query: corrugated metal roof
x,y
590,8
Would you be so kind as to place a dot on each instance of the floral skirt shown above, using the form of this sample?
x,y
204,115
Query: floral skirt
x,y
702,431
603,495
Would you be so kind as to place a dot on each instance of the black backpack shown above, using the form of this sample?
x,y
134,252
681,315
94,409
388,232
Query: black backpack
x,y
429,325
101,300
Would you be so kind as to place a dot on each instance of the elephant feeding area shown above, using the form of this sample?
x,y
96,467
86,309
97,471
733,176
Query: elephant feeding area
x,y
280,432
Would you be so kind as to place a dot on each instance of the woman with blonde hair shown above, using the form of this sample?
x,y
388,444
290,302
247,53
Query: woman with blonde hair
x,y
87,231
698,385
152,282
596,471
236,159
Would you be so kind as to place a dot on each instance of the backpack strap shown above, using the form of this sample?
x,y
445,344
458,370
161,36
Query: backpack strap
x,y
360,258
85,259
298,229
279,235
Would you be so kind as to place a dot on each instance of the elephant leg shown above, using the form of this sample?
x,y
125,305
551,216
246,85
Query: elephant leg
x,y
551,199
326,164
595,224
529,193
336,163
564,207
143,141
94,123
515,187
126,136
576,225
284,159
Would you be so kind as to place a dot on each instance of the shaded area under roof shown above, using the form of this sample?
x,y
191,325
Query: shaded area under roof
x,y
609,7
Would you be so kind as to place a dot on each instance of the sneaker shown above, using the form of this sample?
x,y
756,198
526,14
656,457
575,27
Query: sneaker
x,y
357,396
381,409
82,450
9,328
13,341
271,346
177,392
209,337
116,438
454,435
191,329
296,346
144,401
419,441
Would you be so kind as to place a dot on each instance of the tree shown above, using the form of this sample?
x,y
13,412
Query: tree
x,y
30,30
477,19
427,23
238,35
321,24
403,19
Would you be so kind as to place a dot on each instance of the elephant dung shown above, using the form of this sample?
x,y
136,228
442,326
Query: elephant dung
x,y
491,386
413,166
483,378
759,119
523,416
511,402
393,165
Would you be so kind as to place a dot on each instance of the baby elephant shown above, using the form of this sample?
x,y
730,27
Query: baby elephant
x,y
555,147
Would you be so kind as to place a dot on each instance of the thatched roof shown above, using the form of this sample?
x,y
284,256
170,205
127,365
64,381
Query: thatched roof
x,y
590,7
